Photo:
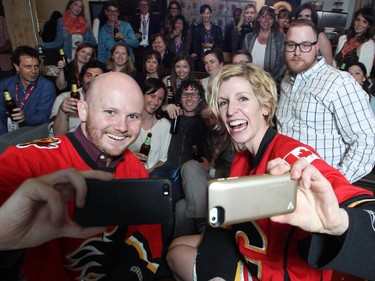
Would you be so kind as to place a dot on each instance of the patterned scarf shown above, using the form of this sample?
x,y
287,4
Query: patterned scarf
x,y
350,45
74,25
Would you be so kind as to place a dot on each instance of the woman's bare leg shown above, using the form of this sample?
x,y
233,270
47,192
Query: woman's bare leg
x,y
181,256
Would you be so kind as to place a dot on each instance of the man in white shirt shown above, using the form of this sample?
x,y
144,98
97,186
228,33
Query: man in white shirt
x,y
64,117
325,107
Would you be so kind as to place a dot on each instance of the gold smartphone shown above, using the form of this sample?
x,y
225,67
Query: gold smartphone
x,y
240,199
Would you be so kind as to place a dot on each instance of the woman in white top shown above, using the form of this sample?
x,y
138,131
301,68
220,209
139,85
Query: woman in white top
x,y
154,93
358,45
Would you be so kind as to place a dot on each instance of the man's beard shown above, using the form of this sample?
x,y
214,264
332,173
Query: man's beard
x,y
298,65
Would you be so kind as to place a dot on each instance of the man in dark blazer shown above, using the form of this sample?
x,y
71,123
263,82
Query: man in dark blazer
x,y
144,25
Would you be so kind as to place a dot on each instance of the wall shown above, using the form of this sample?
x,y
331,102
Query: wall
x,y
21,21
348,6
24,33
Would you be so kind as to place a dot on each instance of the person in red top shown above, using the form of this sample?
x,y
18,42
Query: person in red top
x,y
36,212
323,231
111,121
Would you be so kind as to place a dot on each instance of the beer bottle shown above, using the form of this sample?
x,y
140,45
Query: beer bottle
x,y
74,93
170,91
42,60
63,58
146,145
195,155
9,103
115,31
175,124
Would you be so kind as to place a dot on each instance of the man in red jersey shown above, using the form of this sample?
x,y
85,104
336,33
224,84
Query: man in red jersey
x,y
111,121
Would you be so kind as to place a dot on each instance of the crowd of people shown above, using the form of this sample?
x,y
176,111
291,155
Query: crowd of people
x,y
282,102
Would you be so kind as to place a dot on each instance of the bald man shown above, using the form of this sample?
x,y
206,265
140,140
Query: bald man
x,y
110,122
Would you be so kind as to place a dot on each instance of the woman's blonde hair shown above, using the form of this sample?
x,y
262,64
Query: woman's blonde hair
x,y
261,82
242,18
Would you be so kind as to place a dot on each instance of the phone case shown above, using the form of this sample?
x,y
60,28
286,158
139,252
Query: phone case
x,y
240,199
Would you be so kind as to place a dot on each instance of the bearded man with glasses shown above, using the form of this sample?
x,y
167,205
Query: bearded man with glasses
x,y
324,107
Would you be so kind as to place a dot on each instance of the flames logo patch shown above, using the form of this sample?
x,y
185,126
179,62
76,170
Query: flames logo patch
x,y
45,143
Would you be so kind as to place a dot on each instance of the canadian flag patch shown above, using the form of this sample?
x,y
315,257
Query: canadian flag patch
x,y
298,153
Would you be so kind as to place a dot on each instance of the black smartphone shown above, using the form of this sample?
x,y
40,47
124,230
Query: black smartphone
x,y
125,202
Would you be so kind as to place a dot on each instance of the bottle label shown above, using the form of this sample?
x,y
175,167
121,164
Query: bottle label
x,y
7,96
12,125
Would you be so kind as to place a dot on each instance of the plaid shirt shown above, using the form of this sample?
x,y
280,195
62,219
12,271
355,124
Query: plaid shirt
x,y
328,110
5,61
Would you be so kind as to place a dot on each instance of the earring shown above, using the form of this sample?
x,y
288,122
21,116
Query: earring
x,y
265,114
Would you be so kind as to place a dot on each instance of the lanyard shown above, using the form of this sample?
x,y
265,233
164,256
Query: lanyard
x,y
28,93
78,81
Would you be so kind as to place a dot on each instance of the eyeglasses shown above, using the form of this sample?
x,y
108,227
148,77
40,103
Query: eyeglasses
x,y
143,5
112,11
173,8
193,95
305,47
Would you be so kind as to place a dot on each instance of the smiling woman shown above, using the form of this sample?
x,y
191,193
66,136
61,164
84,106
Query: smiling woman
x,y
266,44
154,94
69,74
120,60
244,97
357,45
245,103
72,29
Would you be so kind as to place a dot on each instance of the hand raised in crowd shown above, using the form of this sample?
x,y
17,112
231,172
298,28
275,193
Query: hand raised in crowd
x,y
177,31
173,111
120,36
317,207
69,105
37,211
61,64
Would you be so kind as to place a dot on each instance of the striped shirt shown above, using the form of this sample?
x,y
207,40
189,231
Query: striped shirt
x,y
326,109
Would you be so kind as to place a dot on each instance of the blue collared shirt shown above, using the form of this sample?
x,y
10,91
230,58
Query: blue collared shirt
x,y
37,108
